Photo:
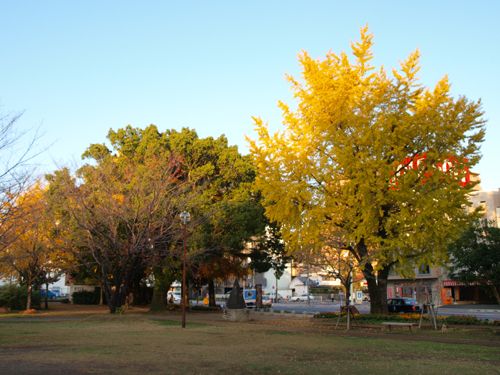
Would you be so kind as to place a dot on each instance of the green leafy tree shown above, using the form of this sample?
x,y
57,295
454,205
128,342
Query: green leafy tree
x,y
129,198
377,157
475,257
225,209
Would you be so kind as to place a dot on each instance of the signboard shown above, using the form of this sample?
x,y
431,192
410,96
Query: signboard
x,y
417,162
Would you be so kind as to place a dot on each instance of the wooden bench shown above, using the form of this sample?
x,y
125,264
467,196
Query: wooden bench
x,y
389,325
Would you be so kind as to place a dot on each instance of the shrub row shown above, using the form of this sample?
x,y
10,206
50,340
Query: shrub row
x,y
410,318
14,297
86,298
205,308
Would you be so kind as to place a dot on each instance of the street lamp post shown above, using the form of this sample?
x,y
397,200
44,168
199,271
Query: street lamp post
x,y
185,217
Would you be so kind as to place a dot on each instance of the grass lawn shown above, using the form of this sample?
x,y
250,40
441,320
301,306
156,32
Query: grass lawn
x,y
155,344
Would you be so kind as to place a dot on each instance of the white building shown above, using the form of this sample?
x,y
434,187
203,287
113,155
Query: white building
x,y
489,201
270,283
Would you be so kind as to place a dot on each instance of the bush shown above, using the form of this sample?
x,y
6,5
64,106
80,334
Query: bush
x,y
14,297
86,298
205,308
408,318
462,320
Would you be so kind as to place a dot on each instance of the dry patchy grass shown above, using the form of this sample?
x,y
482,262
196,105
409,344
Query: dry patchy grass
x,y
147,343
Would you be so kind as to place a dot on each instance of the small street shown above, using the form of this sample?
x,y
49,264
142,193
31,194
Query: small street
x,y
485,312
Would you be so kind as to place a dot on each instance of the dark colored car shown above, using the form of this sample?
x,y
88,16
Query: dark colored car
x,y
403,305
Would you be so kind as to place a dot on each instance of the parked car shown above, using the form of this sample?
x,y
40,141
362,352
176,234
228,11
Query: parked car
x,y
50,295
402,305
301,298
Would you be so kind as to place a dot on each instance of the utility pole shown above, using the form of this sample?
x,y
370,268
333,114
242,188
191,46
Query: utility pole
x,y
185,217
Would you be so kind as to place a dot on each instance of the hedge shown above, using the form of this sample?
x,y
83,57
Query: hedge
x,y
410,318
86,298
14,297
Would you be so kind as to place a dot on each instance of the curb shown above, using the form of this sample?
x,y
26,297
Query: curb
x,y
287,313
471,310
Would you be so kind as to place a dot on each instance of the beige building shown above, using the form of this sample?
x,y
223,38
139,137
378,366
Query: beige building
x,y
432,284
425,287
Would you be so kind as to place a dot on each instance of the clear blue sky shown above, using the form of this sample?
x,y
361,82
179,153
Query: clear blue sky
x,y
78,68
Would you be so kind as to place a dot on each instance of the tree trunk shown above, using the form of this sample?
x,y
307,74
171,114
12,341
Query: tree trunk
x,y
496,293
276,291
377,283
163,281
258,298
114,296
108,293
101,296
159,299
211,294
28,296
46,296
377,288
113,302
187,294
118,294
347,286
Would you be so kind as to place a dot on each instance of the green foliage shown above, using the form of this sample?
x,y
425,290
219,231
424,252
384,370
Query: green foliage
x,y
270,252
86,297
407,318
14,297
124,208
476,255
205,308
226,211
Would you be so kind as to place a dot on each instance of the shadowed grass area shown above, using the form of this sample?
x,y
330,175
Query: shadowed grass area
x,y
174,323
154,345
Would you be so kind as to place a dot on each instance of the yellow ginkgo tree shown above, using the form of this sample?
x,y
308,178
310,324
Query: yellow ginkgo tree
x,y
373,155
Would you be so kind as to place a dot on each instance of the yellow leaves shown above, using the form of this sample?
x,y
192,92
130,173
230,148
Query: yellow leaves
x,y
331,166
362,50
409,69
118,198
441,93
411,66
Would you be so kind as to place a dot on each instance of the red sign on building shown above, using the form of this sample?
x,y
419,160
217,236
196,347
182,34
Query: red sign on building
x,y
418,161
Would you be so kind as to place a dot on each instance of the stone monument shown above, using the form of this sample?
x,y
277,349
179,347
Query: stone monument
x,y
236,310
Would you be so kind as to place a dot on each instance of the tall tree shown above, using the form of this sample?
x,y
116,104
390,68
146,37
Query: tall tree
x,y
475,257
128,199
31,256
378,157
125,206
15,174
226,209
269,252
217,190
